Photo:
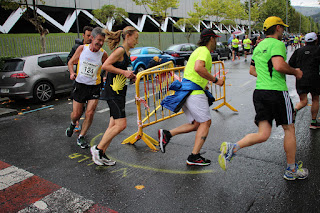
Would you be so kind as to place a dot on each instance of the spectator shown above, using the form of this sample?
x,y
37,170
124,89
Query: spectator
x,y
155,61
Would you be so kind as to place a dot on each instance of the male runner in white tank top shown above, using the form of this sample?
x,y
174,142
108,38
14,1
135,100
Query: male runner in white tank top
x,y
89,58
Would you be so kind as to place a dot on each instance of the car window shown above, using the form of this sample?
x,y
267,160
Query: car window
x,y
135,51
63,58
49,61
184,48
153,51
13,65
174,48
193,47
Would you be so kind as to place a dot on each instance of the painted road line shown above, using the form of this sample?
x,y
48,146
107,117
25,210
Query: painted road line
x,y
248,82
23,191
37,109
12,175
62,200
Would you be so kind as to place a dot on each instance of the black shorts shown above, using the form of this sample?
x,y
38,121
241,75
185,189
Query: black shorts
x,y
117,108
247,50
308,89
82,92
271,104
236,49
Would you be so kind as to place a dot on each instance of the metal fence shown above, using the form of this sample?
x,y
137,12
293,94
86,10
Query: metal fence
x,y
30,45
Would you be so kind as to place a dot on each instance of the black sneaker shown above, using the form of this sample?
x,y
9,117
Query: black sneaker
x,y
197,160
82,143
164,139
315,125
70,129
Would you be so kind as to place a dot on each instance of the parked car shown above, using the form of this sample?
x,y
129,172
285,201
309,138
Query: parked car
x,y
140,57
37,76
222,51
181,52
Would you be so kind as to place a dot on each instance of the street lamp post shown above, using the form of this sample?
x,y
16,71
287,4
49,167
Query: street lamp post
x,y
249,19
75,6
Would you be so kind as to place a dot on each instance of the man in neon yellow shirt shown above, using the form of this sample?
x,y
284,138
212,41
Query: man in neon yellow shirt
x,y
246,46
196,107
271,99
235,47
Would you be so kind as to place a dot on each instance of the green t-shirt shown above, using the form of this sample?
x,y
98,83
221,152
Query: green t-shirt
x,y
246,44
267,77
203,54
235,43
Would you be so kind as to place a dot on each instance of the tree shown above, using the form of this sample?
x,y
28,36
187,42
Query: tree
x,y
107,12
188,24
159,9
29,15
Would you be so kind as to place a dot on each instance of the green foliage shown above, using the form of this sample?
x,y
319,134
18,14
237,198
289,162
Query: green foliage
x,y
109,11
189,25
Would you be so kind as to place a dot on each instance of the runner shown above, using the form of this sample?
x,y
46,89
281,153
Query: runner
x,y
307,59
235,47
271,99
89,58
118,66
196,107
86,40
246,46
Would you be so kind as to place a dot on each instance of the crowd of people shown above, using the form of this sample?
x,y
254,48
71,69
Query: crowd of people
x,y
271,98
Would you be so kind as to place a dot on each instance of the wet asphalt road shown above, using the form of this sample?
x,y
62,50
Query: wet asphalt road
x,y
148,181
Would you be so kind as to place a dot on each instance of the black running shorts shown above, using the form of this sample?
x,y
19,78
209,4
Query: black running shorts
x,y
82,92
308,89
272,104
236,49
117,108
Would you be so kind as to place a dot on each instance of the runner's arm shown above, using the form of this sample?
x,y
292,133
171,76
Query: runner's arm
x,y
200,68
113,58
281,66
74,60
104,57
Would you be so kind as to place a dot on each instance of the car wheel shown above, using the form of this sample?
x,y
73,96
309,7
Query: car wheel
x,y
140,68
185,62
218,57
43,92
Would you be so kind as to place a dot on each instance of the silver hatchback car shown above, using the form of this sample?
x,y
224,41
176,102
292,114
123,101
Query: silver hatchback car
x,y
37,76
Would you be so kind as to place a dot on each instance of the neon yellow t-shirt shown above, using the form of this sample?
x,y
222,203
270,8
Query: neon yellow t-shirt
x,y
267,77
246,44
203,54
235,43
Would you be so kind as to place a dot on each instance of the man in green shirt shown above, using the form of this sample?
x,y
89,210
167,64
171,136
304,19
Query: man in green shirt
x,y
246,46
196,107
235,47
271,99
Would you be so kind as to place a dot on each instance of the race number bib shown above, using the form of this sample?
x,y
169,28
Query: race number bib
x,y
246,45
88,69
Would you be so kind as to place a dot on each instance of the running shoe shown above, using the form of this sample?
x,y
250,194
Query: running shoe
x,y
197,160
163,139
227,154
70,129
100,158
82,143
315,125
297,173
77,128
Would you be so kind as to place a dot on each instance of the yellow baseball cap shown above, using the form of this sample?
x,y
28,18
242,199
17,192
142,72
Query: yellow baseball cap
x,y
271,21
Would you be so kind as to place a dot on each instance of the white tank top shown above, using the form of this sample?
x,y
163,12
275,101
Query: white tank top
x,y
89,66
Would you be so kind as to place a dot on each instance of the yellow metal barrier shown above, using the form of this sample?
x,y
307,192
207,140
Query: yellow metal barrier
x,y
152,86
218,67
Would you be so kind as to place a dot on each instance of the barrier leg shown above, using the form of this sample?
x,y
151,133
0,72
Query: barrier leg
x,y
132,139
149,141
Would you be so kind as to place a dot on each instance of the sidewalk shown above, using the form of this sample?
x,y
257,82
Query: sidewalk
x,y
6,111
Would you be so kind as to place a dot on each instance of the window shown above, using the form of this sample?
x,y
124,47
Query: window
x,y
193,47
135,51
63,58
49,61
13,65
153,51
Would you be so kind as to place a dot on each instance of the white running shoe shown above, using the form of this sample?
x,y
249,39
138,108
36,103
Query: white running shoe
x,y
100,158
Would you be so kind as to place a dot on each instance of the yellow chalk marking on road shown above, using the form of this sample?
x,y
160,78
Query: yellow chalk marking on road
x,y
139,187
181,172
